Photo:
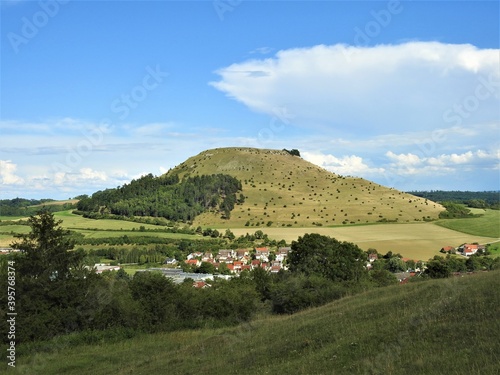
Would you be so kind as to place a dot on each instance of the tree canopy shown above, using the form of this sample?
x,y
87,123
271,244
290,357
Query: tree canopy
x,y
165,196
315,254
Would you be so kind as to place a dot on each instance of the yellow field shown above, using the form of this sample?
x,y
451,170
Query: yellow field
x,y
415,241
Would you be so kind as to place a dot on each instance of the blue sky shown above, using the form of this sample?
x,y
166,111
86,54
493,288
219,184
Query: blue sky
x,y
94,94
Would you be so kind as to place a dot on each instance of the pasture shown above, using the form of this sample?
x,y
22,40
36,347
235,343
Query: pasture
x,y
419,241
486,225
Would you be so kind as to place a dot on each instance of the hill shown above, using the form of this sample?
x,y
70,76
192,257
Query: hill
x,y
285,190
447,326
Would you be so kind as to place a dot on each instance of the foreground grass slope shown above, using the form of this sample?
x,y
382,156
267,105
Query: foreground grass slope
x,y
287,190
448,326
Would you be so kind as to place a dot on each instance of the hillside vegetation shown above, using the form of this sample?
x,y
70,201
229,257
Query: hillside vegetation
x,y
445,326
281,189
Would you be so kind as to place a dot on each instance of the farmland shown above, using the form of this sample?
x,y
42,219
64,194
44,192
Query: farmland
x,y
416,240
420,240
488,224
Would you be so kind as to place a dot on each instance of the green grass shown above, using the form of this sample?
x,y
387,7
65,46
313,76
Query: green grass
x,y
487,225
437,327
9,218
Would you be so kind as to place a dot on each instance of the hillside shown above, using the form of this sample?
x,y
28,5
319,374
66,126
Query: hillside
x,y
289,191
447,326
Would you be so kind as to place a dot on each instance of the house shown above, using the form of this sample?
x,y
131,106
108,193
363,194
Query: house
x,y
237,266
447,249
170,261
240,253
201,284
100,268
262,253
372,257
469,249
194,255
255,263
224,254
275,269
282,253
207,257
193,262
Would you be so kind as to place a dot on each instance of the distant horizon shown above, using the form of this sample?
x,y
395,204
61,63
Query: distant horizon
x,y
402,93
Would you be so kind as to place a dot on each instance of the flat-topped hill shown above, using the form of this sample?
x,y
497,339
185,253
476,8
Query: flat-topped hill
x,y
285,190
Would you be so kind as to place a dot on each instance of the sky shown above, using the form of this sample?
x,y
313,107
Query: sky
x,y
97,93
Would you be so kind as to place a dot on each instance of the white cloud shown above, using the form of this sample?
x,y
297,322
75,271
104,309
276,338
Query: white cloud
x,y
84,175
8,173
410,164
346,165
404,159
380,88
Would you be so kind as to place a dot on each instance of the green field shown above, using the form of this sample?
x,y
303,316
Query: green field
x,y
385,331
95,228
420,240
487,225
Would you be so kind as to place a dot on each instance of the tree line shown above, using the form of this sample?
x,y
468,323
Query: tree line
x,y
166,197
473,199
28,207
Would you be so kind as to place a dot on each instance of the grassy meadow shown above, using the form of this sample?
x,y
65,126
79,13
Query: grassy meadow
x,y
447,326
486,225
94,228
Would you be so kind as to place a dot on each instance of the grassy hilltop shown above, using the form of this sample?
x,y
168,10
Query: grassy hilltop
x,y
287,190
447,326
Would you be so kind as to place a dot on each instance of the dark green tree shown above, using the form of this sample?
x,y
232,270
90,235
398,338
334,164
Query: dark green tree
x,y
438,269
314,254
45,251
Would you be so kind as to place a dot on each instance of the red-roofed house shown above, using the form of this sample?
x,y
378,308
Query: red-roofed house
x,y
194,262
201,285
469,249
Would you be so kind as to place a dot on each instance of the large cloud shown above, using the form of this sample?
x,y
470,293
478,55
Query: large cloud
x,y
380,89
8,173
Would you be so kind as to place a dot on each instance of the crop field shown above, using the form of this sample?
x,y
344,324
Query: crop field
x,y
416,241
420,240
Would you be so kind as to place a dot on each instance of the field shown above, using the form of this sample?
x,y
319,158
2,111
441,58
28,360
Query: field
x,y
486,225
416,241
421,240
385,331
94,228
